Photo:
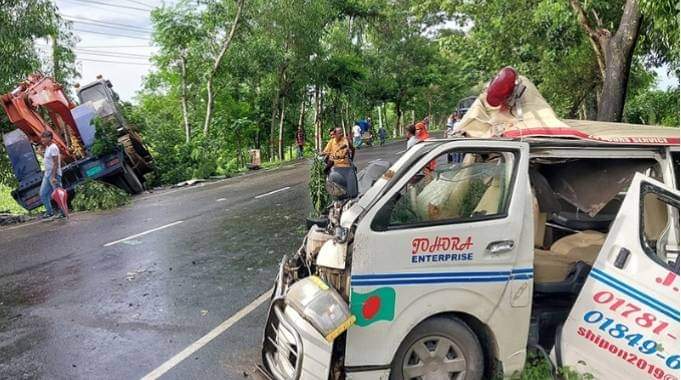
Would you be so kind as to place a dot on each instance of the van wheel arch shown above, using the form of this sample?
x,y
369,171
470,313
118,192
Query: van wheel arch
x,y
488,342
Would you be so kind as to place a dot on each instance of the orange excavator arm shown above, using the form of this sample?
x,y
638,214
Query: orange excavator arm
x,y
21,106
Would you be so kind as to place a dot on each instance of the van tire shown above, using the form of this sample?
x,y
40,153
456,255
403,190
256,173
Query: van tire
x,y
433,334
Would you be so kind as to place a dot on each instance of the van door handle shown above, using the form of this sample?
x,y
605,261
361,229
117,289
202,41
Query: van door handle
x,y
499,247
621,258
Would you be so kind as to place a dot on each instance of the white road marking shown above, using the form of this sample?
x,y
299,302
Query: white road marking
x,y
143,233
214,333
272,192
221,199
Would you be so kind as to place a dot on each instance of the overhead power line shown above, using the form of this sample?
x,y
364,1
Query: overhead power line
x,y
93,55
88,23
112,34
102,52
84,20
111,5
115,62
79,53
113,46
141,3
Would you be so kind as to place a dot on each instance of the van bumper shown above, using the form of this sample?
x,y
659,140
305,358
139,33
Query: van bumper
x,y
292,348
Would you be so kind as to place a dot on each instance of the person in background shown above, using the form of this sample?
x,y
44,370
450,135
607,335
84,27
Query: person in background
x,y
340,153
300,142
382,133
411,136
422,130
357,135
453,123
52,175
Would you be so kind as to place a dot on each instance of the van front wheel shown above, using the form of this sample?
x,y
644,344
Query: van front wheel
x,y
439,348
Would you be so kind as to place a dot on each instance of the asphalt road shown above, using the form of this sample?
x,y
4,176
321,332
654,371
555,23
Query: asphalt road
x,y
114,295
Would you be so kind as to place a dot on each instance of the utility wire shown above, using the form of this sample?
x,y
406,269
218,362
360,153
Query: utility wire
x,y
116,62
112,46
79,54
90,20
112,34
141,3
88,23
101,52
110,5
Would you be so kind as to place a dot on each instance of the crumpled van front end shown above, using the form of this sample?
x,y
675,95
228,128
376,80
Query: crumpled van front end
x,y
303,321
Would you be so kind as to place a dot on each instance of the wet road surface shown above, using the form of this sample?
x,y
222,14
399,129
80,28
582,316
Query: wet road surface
x,y
114,295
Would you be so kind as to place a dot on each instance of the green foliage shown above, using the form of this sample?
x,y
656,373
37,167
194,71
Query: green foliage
x,y
318,194
106,136
537,368
7,203
21,24
404,56
95,195
654,107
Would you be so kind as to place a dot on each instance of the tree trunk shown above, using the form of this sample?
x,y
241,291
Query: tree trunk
x,y
317,127
281,128
216,64
301,116
618,55
398,114
273,124
613,54
380,118
183,99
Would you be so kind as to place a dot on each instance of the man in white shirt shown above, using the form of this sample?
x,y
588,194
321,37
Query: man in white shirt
x,y
411,136
356,135
52,175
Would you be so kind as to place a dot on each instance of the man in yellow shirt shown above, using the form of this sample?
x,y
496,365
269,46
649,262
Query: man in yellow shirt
x,y
340,151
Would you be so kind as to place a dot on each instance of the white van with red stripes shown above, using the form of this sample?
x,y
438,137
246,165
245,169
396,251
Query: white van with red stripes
x,y
560,236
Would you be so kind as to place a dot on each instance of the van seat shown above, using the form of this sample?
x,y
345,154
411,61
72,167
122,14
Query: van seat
x,y
555,264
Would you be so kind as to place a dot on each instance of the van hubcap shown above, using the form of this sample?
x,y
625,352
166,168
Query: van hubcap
x,y
436,358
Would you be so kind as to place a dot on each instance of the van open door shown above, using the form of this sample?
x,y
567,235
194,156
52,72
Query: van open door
x,y
625,322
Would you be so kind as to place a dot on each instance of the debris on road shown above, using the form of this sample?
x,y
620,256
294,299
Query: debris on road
x,y
7,219
187,183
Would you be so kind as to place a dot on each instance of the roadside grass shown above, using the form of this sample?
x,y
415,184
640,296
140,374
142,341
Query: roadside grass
x,y
8,204
537,368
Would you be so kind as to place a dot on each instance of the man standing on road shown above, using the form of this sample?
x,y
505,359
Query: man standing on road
x,y
300,141
382,133
52,175
357,135
340,152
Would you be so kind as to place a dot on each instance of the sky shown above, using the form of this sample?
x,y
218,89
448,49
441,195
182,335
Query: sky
x,y
114,38
115,42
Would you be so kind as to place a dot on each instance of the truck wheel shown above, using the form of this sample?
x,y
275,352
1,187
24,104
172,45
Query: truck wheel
x,y
439,348
134,184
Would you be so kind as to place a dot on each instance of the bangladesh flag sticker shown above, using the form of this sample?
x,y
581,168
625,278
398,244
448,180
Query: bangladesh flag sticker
x,y
377,305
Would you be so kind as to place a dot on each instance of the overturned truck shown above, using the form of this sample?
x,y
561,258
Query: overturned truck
x,y
557,235
39,104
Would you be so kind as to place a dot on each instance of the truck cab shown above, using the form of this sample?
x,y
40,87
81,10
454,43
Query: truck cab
x,y
566,244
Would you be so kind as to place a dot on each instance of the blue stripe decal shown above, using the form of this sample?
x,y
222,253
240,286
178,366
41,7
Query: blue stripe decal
x,y
427,275
440,277
416,281
438,274
521,277
632,292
